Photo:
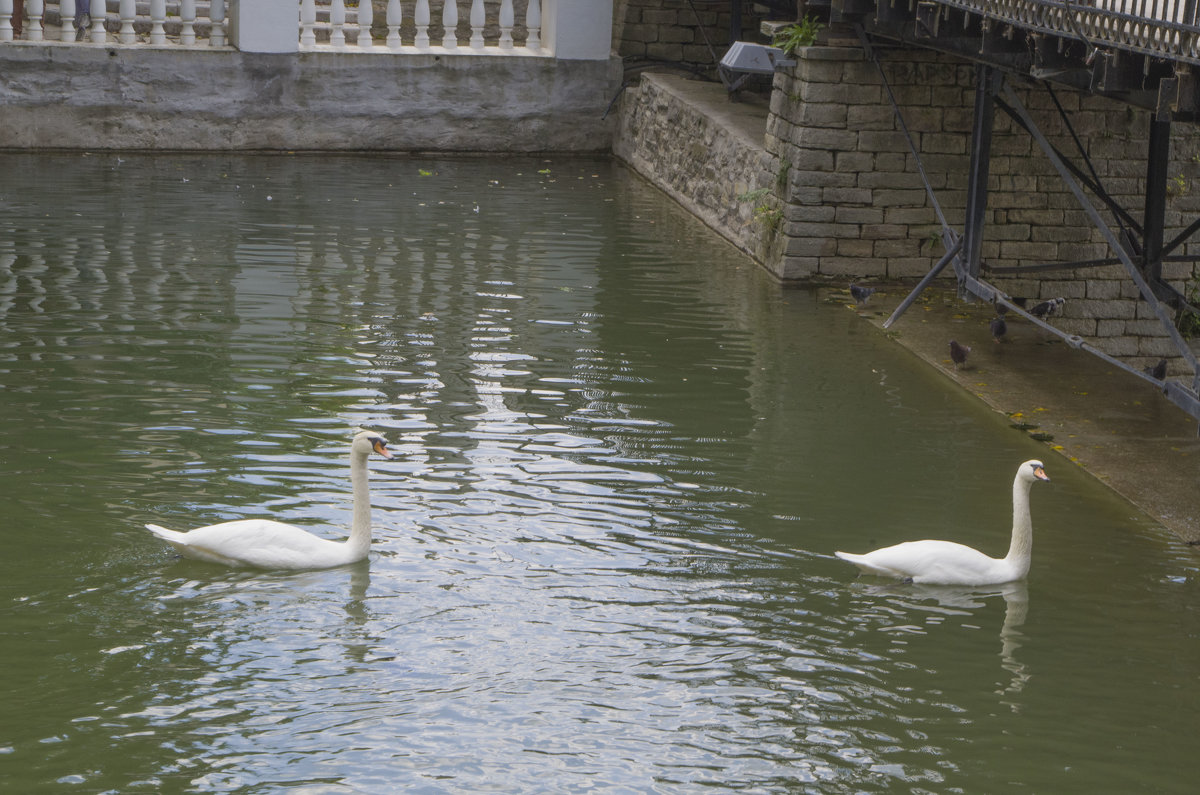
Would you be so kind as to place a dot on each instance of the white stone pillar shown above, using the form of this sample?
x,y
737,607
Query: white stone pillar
x,y
578,30
264,25
6,28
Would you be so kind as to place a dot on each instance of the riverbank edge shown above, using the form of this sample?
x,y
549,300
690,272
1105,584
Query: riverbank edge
x,y
1108,422
1114,426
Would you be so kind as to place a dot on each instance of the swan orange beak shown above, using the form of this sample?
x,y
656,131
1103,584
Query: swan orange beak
x,y
381,448
1040,474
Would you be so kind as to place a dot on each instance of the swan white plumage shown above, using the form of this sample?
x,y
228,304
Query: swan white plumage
x,y
267,544
949,563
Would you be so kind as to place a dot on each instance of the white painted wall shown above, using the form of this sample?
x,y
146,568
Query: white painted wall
x,y
270,26
578,29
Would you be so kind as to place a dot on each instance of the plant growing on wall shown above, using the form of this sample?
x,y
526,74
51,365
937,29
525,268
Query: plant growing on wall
x,y
764,213
1177,185
1187,322
799,34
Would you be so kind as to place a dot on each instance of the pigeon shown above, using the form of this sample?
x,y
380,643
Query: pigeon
x,y
861,294
1048,308
1159,371
999,328
958,354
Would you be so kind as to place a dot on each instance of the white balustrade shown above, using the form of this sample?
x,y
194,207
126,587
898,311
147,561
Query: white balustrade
x,y
164,16
337,23
478,19
395,18
495,26
216,18
533,24
35,9
98,9
506,25
366,15
66,11
450,23
158,16
421,17
128,14
187,18
6,12
308,21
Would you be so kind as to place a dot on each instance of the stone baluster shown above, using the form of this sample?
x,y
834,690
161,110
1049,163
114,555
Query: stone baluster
x,y
533,23
187,18
478,20
36,9
506,24
337,24
395,18
308,18
99,9
450,23
366,16
6,12
421,18
128,13
158,15
66,15
216,16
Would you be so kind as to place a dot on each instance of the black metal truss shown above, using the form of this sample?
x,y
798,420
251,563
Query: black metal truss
x,y
1139,248
1146,63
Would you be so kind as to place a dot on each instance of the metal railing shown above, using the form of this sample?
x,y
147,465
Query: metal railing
x,y
1167,29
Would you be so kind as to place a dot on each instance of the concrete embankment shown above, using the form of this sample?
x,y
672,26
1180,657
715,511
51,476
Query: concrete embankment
x,y
1114,425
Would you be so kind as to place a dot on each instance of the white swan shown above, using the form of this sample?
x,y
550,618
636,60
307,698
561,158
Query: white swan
x,y
267,544
948,563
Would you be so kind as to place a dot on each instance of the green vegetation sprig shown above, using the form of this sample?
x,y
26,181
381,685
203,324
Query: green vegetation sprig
x,y
799,34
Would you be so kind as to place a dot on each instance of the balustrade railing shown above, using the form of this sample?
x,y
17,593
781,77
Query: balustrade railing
x,y
153,22
511,27
424,25
1162,28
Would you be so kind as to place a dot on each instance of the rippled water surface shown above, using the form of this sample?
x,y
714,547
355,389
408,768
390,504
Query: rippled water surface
x,y
602,556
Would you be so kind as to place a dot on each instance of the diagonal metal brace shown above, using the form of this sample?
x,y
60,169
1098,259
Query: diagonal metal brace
x,y
1147,292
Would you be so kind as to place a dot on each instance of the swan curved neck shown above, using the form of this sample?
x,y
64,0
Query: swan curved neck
x,y
1020,550
360,523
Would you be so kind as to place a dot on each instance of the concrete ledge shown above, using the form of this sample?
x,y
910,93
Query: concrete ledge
x,y
100,97
1114,425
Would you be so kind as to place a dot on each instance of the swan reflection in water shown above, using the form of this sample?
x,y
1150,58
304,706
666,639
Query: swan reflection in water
x,y
968,599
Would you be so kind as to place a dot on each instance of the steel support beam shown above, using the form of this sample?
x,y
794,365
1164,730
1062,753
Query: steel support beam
x,y
1131,268
1158,157
987,82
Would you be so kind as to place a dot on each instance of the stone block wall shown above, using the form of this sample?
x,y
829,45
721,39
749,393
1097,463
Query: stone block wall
x,y
855,204
674,31
711,161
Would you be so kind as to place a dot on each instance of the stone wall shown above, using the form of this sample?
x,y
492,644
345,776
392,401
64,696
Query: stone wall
x,y
674,31
706,153
855,206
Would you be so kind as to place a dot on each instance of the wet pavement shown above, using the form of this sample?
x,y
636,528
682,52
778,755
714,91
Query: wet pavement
x,y
1117,426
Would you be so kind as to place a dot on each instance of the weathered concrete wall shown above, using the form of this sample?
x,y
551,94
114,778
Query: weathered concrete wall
x,y
686,138
88,97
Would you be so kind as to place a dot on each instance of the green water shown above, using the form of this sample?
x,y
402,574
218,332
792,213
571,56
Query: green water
x,y
602,556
